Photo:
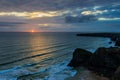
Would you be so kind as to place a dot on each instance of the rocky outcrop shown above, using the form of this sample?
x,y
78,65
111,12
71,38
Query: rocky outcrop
x,y
112,36
80,58
104,61
117,43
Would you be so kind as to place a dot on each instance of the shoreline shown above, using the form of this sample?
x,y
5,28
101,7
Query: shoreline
x,y
86,75
69,74
95,74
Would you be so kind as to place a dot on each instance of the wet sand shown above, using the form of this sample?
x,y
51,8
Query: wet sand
x,y
86,75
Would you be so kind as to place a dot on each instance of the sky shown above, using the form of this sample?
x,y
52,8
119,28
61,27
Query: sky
x,y
50,15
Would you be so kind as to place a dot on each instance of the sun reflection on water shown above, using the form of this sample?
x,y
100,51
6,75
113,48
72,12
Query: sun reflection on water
x,y
38,47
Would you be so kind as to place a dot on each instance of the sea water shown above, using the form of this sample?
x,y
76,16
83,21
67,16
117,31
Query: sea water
x,y
42,56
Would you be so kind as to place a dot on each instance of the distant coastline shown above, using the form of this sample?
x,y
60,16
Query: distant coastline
x,y
109,34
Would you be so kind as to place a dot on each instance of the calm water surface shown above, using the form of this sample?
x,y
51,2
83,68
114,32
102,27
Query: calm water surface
x,y
44,54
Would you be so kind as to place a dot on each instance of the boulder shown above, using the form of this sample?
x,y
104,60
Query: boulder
x,y
80,58
105,61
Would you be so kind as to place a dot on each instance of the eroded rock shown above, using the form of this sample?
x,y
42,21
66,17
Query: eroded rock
x,y
80,58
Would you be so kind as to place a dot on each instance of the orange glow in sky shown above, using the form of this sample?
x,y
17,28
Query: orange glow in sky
x,y
32,31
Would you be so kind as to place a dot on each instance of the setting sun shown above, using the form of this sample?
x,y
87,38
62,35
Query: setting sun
x,y
32,31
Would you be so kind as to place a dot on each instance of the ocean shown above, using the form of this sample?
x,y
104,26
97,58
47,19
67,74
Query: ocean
x,y
43,55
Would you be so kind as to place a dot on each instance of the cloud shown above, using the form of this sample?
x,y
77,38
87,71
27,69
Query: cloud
x,y
104,19
80,19
113,11
30,15
105,12
10,24
36,5
27,14
93,12
49,8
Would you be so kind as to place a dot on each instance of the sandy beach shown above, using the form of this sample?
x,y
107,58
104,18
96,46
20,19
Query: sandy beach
x,y
86,75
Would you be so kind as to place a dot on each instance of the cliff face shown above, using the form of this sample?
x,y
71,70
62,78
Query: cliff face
x,y
104,61
80,58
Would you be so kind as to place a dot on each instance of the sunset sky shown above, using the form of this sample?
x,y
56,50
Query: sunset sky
x,y
49,15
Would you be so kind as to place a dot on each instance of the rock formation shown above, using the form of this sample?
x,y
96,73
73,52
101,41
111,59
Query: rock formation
x,y
104,61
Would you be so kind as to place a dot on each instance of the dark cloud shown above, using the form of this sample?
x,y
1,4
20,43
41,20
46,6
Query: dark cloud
x,y
35,5
113,11
10,24
80,19
64,8
111,14
75,7
110,7
104,11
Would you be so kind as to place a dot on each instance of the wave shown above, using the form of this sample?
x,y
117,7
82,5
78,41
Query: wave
x,y
54,64
28,48
32,56
56,72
